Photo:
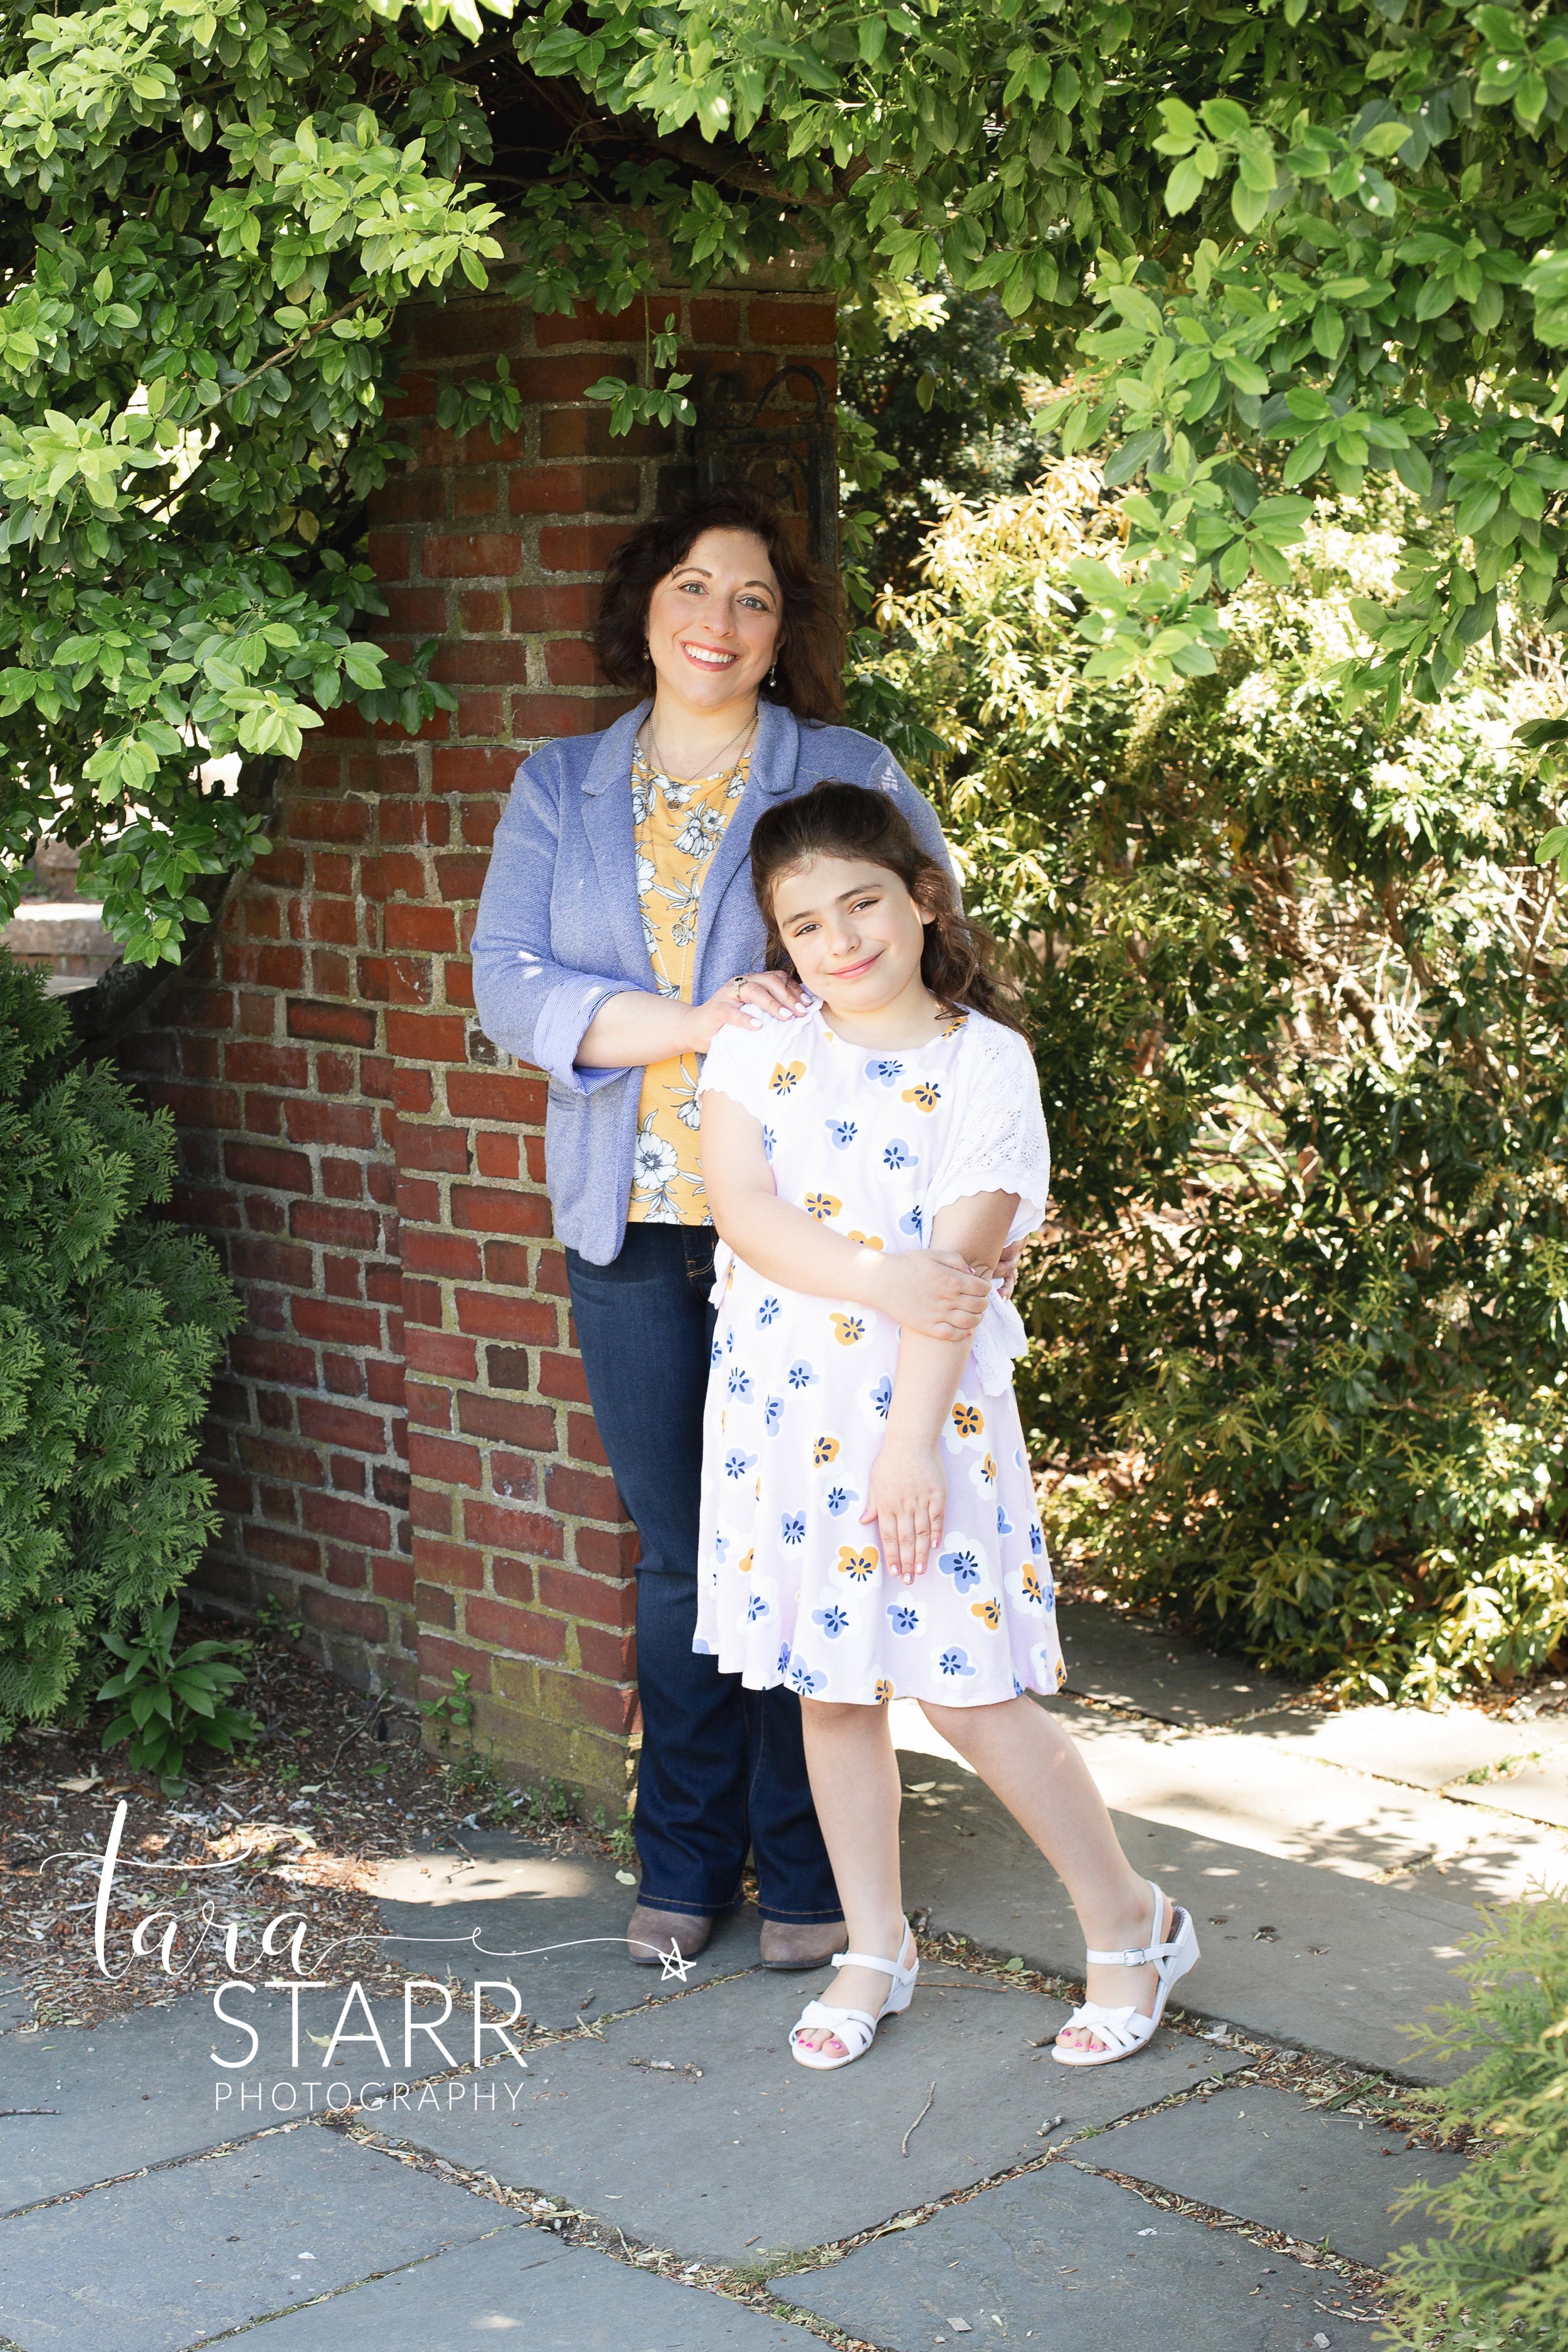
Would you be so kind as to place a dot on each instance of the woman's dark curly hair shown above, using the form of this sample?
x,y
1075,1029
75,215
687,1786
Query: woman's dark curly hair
x,y
808,648
834,820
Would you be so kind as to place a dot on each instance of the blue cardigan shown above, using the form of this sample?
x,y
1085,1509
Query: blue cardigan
x,y
559,930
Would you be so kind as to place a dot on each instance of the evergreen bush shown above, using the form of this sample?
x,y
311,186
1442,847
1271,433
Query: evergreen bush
x,y
1300,995
110,1326
1499,2277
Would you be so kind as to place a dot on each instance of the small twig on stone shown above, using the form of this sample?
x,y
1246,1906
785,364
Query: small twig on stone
x,y
917,2121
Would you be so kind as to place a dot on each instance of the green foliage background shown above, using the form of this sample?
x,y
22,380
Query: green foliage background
x,y
1299,994
1499,2275
1265,251
111,1324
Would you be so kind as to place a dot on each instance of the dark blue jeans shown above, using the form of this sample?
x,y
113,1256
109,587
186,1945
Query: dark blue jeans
x,y
722,1768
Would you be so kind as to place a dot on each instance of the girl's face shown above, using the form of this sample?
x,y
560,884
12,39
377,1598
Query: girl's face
x,y
713,623
853,931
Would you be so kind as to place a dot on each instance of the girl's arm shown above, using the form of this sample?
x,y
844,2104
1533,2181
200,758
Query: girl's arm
x,y
935,1296
908,1496
638,1027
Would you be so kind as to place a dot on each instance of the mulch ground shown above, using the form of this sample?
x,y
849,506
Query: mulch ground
x,y
336,1783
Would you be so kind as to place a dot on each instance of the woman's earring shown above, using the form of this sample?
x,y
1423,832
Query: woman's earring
x,y
773,677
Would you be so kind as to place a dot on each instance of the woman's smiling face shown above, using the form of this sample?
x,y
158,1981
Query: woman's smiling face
x,y
853,931
713,621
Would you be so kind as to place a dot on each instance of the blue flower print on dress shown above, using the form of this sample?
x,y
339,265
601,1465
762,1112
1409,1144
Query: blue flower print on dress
x,y
791,1527
740,1382
833,1619
737,1464
882,1397
784,1659
841,1133
801,1678
913,1221
906,1617
897,1155
701,1648
800,1374
839,1499
715,1353
773,1414
884,1073
757,1607
768,1140
1036,1538
1004,1524
768,1312
729,1339
954,1662
961,1564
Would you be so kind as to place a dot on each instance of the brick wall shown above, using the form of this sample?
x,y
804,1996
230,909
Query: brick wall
x,y
401,1438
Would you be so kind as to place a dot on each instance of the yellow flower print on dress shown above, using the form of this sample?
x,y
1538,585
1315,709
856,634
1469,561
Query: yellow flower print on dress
x,y
988,1612
968,1420
824,1449
869,1241
743,1564
882,1691
860,1566
821,1205
925,1097
951,1028
985,1473
786,1077
848,1329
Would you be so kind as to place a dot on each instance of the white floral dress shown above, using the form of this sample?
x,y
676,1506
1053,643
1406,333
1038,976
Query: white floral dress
x,y
791,1586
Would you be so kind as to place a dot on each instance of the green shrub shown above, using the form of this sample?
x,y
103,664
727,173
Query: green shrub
x,y
1299,999
1500,2276
110,1325
170,1704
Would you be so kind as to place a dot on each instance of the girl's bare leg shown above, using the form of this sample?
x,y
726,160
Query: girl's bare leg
x,y
855,1786
1028,1760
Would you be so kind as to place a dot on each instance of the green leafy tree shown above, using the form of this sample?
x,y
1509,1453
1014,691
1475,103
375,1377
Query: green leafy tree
x,y
111,1324
1281,246
1300,1004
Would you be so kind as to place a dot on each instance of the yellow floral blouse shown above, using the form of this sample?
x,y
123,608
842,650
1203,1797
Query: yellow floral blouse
x,y
678,826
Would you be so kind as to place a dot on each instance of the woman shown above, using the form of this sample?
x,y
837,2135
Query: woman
x,y
616,935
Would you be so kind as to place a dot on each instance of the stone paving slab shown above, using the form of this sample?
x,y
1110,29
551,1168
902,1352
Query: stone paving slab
x,y
1280,1801
1269,2157
473,1908
156,2263
1075,2263
1345,1964
579,2302
1426,1748
1131,1663
757,2155
1536,1789
144,2089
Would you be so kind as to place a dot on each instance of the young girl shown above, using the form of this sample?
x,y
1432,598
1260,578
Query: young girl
x,y
868,1523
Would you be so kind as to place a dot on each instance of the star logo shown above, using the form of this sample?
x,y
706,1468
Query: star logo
x,y
675,1963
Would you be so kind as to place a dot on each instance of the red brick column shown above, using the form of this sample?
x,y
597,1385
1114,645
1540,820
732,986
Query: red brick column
x,y
401,1438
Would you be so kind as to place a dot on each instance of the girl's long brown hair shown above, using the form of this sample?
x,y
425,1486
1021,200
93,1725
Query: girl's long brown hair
x,y
838,820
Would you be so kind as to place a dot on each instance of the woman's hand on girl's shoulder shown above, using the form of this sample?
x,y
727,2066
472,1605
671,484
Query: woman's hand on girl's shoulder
x,y
748,1002
908,1499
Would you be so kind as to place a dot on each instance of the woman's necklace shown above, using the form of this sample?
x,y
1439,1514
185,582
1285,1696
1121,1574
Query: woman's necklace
x,y
741,736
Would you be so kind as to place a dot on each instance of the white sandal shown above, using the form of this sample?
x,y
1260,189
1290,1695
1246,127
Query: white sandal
x,y
856,2028
1125,2030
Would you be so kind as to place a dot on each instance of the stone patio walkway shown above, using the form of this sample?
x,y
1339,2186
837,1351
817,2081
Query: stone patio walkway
x,y
659,2177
